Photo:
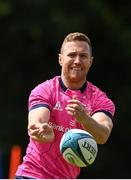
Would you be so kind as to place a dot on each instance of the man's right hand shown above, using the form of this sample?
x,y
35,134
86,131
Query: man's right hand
x,y
42,133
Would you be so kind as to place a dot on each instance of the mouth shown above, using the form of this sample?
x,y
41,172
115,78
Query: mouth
x,y
76,69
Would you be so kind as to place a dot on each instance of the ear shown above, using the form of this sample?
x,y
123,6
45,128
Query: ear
x,y
60,59
91,60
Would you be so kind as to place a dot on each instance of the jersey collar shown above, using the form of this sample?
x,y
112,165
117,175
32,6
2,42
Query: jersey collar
x,y
64,88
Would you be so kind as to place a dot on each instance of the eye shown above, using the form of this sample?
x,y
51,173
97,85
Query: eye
x,y
84,55
71,55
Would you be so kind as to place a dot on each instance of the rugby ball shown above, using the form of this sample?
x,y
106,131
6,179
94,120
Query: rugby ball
x,y
78,147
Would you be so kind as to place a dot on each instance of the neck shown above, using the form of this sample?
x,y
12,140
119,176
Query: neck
x,y
72,84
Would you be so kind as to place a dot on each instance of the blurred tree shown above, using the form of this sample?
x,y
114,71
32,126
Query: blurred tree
x,y
31,34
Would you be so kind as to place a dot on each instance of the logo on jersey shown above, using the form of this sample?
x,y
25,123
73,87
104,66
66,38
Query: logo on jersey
x,y
58,106
59,128
72,122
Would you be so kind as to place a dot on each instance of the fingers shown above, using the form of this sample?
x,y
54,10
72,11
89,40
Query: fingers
x,y
41,132
74,97
33,126
75,107
75,110
33,130
75,102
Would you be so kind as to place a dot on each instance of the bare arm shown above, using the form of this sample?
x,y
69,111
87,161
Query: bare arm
x,y
99,125
38,127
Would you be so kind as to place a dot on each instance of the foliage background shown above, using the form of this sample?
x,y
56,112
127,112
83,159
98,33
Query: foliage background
x,y
31,33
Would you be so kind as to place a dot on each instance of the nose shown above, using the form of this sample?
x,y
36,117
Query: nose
x,y
77,59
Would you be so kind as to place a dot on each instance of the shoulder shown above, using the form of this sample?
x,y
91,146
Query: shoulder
x,y
94,89
43,94
98,95
47,85
101,101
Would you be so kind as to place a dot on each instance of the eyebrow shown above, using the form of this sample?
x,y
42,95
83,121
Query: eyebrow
x,y
83,53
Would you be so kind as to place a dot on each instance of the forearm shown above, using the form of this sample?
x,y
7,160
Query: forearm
x,y
38,116
38,127
100,129
99,125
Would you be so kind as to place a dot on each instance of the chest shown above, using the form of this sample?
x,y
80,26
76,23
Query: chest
x,y
60,119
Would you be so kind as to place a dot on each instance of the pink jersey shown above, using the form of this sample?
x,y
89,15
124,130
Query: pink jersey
x,y
44,161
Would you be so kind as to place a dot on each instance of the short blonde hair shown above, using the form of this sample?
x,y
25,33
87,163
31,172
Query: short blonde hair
x,y
76,36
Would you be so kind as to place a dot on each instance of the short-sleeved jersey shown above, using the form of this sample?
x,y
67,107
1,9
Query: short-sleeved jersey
x,y
44,161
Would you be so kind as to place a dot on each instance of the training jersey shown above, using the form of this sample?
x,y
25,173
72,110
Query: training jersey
x,y
45,161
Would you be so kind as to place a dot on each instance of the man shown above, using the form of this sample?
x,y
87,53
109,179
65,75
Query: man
x,y
65,102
